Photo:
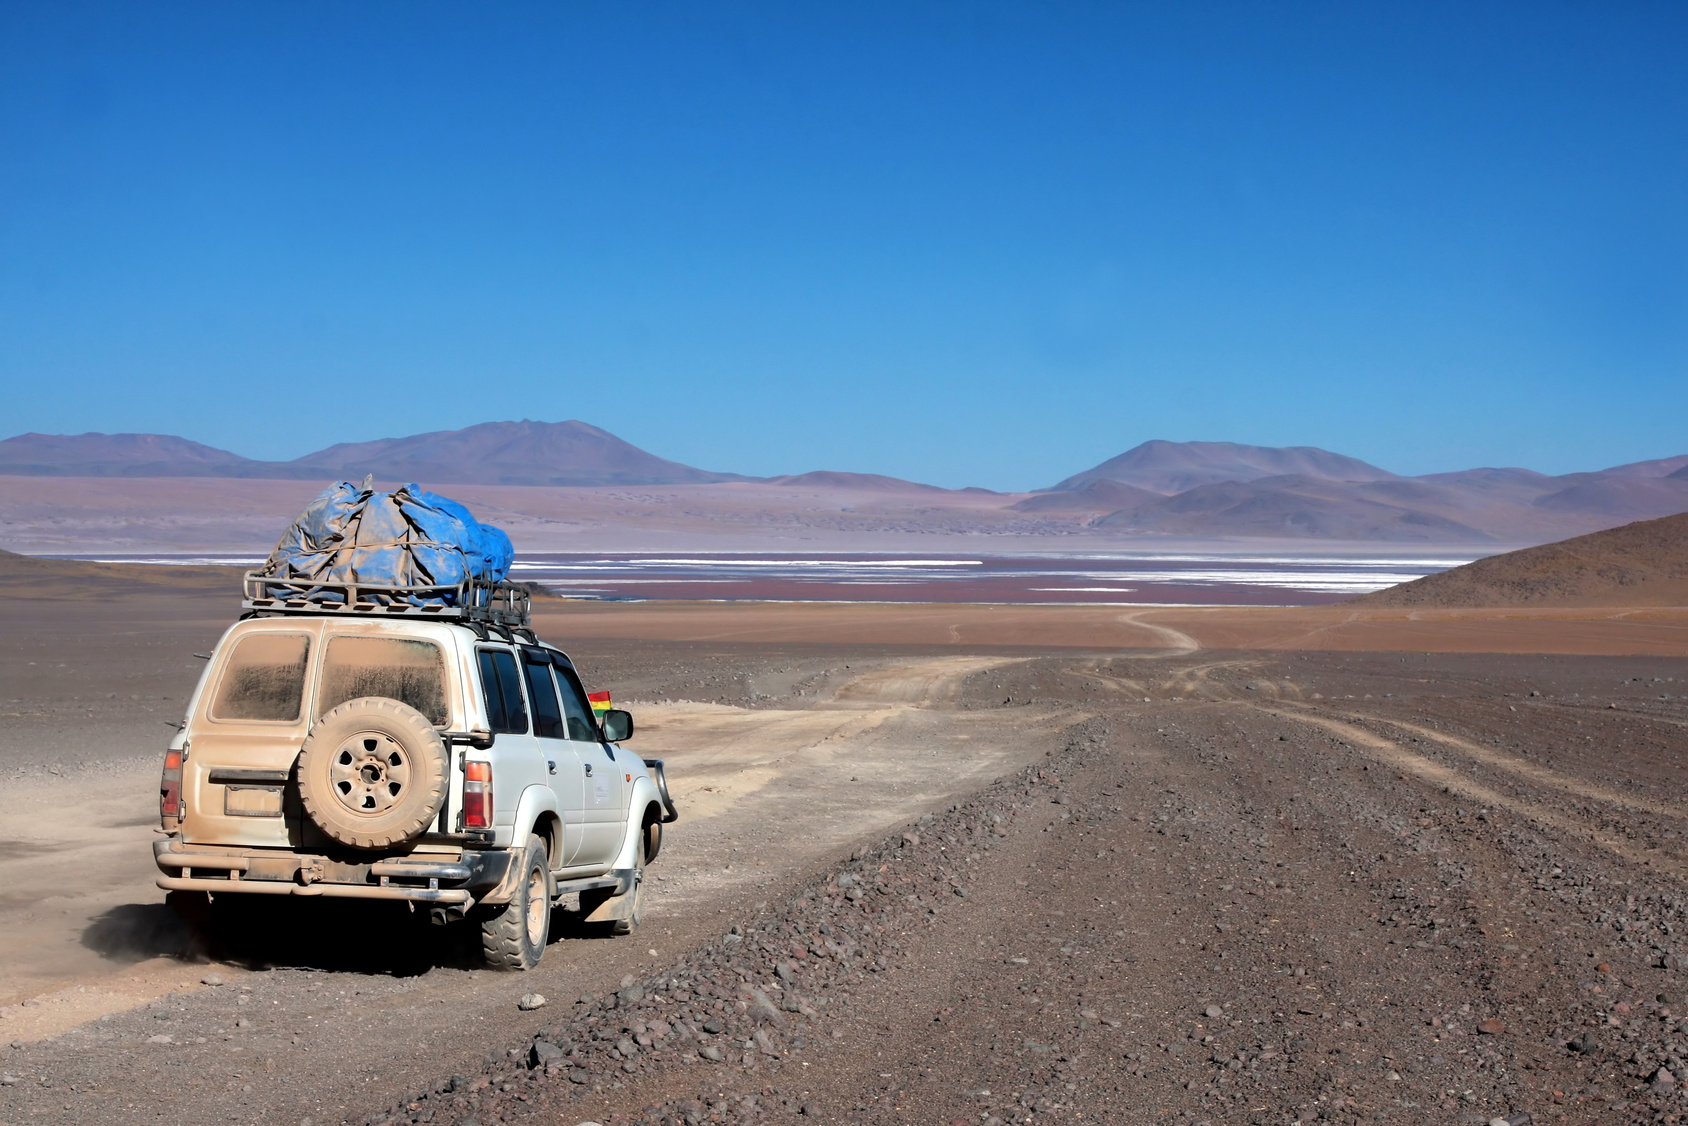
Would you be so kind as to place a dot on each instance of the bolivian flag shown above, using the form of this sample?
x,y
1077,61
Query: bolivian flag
x,y
600,702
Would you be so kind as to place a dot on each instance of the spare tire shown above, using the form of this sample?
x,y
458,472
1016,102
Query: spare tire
x,y
372,773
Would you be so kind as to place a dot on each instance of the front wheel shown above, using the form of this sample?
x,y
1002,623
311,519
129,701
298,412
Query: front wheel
x,y
513,936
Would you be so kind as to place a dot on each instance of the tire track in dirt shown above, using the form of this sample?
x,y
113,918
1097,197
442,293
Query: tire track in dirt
x,y
1533,772
1434,773
1177,640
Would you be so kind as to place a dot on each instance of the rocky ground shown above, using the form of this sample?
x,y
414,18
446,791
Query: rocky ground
x,y
1220,887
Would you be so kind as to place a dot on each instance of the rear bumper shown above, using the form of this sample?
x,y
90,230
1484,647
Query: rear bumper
x,y
416,878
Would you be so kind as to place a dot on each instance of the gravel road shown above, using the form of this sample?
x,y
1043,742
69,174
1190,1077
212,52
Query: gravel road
x,y
1016,887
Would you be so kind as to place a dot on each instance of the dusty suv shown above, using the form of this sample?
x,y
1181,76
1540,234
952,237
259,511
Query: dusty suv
x,y
408,753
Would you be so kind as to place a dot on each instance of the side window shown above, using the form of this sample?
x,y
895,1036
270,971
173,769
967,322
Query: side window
x,y
582,726
547,715
264,678
411,672
502,686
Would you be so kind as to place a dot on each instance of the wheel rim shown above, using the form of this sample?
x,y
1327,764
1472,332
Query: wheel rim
x,y
537,902
370,773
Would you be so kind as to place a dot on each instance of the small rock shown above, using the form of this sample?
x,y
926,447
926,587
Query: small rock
x,y
1213,1012
710,1052
1393,1077
211,979
911,839
530,1002
1491,1027
786,973
631,995
579,1075
1088,1014
1663,1077
544,1052
1585,1044
962,892
159,1039
714,1026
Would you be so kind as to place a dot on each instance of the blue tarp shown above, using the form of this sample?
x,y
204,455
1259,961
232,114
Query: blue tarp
x,y
408,537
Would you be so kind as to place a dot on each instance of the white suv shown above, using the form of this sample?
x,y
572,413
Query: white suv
x,y
444,757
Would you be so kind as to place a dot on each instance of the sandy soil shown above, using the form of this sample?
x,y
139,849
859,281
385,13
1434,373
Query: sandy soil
x,y
1354,856
1609,631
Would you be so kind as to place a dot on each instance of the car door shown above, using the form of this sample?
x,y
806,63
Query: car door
x,y
562,758
515,755
603,771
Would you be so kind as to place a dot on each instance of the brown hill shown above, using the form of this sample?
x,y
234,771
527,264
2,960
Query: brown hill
x,y
492,453
1174,467
116,455
1641,564
508,453
859,482
1099,496
1396,511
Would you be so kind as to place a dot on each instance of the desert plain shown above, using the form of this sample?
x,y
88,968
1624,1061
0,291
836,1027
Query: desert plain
x,y
935,864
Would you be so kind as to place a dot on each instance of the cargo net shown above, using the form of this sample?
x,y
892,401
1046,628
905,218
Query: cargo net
x,y
358,550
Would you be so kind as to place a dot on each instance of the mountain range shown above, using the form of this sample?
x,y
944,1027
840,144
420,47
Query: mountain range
x,y
1187,490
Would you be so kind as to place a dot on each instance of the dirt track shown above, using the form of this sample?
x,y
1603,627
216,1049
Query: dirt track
x,y
1357,857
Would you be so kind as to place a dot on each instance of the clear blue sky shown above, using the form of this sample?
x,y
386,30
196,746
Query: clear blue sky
x,y
965,243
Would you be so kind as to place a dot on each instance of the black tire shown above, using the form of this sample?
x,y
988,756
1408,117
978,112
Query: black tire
x,y
513,936
372,773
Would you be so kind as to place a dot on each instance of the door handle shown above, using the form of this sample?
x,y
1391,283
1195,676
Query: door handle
x,y
552,765
588,768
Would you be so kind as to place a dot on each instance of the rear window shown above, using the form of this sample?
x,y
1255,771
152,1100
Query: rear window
x,y
505,712
264,678
394,668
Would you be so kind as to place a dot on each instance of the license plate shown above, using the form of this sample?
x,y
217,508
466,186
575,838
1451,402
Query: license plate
x,y
252,801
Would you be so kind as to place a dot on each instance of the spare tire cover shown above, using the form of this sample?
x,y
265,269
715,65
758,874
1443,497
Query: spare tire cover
x,y
372,773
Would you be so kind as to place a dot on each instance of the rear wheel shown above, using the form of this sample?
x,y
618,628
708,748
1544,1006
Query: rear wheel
x,y
513,936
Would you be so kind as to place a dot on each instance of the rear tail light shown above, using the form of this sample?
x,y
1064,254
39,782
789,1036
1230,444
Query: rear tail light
x,y
477,795
170,789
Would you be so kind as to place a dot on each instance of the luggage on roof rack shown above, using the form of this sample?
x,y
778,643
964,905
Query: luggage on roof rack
x,y
356,550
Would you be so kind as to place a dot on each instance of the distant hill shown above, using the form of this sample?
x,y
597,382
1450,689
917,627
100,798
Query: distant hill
x,y
115,455
1658,467
492,453
1175,467
1189,490
508,453
1640,564
1100,496
1396,511
860,482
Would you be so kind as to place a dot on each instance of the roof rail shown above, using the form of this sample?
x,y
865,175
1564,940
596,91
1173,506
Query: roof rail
x,y
500,604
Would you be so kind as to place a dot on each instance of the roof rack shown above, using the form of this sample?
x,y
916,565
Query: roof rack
x,y
499,604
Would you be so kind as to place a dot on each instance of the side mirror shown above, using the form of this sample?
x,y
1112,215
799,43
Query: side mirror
x,y
618,725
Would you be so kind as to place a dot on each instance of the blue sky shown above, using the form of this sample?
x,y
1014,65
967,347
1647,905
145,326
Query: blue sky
x,y
965,243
